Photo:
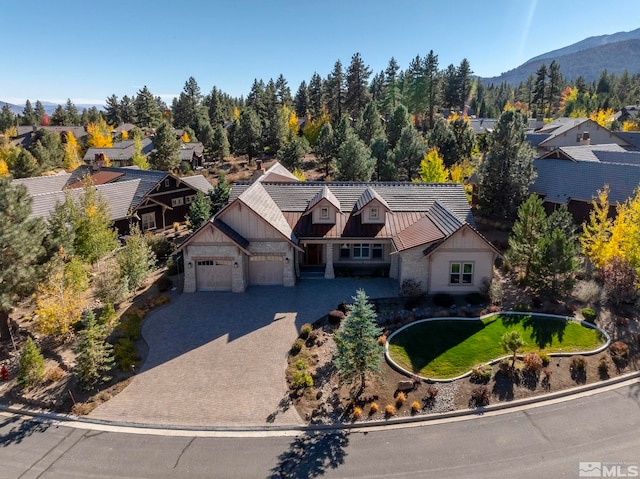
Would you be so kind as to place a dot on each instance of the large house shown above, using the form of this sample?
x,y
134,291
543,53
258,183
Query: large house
x,y
277,229
573,175
153,199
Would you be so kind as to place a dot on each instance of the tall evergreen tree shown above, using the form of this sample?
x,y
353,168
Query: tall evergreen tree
x,y
40,112
135,259
112,111
527,231
220,148
554,87
256,99
128,110
94,354
215,108
358,354
391,89
417,88
21,246
369,125
73,117
354,161
29,116
283,92
540,89
464,83
249,134
185,108
199,211
335,88
433,84
505,175
219,195
301,100
408,153
357,92
59,117
451,91
316,96
324,147
167,146
293,150
7,118
398,121
148,114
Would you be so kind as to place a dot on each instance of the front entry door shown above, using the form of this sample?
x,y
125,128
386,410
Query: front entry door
x,y
314,254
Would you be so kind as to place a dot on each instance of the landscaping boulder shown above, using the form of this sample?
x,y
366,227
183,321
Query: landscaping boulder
x,y
405,386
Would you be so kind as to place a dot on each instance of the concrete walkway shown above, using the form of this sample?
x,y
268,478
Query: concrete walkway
x,y
219,358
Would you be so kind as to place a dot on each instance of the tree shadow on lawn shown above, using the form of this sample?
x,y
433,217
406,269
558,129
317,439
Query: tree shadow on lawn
x,y
422,347
543,330
311,455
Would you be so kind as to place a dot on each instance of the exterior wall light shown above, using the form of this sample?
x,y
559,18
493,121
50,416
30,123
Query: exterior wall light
x,y
235,264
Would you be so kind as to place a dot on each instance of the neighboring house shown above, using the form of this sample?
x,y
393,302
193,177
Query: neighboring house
x,y
628,113
572,132
153,199
573,175
25,133
192,154
273,232
120,154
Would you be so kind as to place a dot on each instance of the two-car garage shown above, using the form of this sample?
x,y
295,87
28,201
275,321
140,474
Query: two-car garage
x,y
215,274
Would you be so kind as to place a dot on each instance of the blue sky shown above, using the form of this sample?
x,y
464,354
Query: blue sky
x,y
75,49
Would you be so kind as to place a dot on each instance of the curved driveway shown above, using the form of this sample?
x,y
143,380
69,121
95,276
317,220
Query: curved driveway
x,y
219,358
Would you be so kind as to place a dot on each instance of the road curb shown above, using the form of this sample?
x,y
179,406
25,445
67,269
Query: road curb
x,y
396,421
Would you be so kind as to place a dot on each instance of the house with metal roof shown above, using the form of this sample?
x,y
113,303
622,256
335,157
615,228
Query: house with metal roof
x,y
274,232
120,153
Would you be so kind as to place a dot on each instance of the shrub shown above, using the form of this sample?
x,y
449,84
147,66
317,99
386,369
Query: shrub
x,y
160,245
160,301
131,325
164,283
481,373
589,314
296,347
415,407
480,396
107,315
578,363
31,369
390,410
335,317
532,363
301,365
413,291
56,373
110,287
357,412
400,399
588,292
432,391
475,298
603,368
125,354
374,408
443,300
305,330
301,380
546,359
619,349
174,267
382,340
547,372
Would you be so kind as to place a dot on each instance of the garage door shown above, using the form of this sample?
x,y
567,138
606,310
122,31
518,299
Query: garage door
x,y
265,269
213,274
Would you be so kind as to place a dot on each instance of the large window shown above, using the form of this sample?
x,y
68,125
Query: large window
x,y
361,251
461,273
148,221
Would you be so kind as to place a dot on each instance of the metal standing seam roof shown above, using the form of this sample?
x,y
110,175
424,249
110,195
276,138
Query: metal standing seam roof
x,y
43,184
559,181
117,195
586,152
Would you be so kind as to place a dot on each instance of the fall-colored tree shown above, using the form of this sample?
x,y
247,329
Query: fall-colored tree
x,y
311,130
299,174
58,302
603,117
185,137
124,135
596,232
4,168
631,126
72,157
138,159
99,135
293,122
432,169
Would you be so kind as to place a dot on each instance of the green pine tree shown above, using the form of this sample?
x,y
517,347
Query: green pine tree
x,y
31,368
219,195
199,211
358,354
94,354
167,146
136,259
354,161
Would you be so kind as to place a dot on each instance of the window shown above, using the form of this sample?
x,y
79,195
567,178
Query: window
x,y
189,199
361,251
148,221
345,252
167,183
461,273
377,251
177,201
324,213
373,213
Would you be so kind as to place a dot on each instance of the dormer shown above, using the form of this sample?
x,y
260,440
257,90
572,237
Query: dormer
x,y
323,207
371,207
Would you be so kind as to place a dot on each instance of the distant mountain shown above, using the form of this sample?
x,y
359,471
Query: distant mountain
x,y
587,58
49,107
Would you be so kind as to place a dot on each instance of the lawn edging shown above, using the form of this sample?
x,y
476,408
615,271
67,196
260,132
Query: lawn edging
x,y
401,370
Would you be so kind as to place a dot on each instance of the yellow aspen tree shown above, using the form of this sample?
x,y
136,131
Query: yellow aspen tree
x,y
432,169
71,152
631,126
236,113
299,174
597,231
138,158
293,122
124,135
185,137
602,117
631,236
99,135
4,168
58,302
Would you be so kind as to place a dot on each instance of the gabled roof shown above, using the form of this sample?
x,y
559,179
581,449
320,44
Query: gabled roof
x,y
117,195
43,184
559,181
187,150
197,182
481,126
98,178
583,152
436,225
257,198
367,196
561,125
324,194
277,173
535,139
631,137
446,221
120,151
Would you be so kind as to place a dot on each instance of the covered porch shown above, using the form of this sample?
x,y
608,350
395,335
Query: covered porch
x,y
344,258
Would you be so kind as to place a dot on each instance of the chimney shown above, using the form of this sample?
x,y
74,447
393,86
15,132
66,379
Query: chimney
x,y
258,172
97,163
539,122
585,139
258,165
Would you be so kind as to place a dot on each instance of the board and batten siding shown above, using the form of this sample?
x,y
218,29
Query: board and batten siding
x,y
465,246
248,224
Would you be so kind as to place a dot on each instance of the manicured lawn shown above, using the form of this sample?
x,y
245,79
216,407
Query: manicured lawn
x,y
443,349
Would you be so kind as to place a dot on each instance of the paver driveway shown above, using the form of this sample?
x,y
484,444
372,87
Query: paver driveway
x,y
218,359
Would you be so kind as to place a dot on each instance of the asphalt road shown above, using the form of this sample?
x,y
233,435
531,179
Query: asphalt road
x,y
542,442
